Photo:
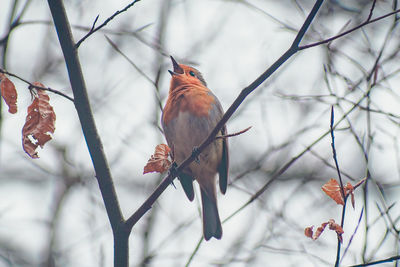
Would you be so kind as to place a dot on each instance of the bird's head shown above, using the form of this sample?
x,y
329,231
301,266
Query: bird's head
x,y
185,75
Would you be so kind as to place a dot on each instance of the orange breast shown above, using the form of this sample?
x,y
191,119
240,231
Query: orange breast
x,y
195,99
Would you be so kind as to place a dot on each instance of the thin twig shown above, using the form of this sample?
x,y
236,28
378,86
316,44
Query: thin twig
x,y
31,85
354,233
233,134
340,181
371,10
360,183
94,23
93,30
116,48
394,258
349,31
334,153
285,167
14,21
194,252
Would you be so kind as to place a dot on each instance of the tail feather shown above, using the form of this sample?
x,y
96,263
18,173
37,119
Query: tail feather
x,y
187,184
211,221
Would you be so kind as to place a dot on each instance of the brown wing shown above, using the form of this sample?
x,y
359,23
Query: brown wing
x,y
224,165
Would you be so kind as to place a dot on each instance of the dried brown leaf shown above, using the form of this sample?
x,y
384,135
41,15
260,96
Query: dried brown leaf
x,y
158,162
337,228
319,231
309,231
39,124
332,189
314,236
332,226
8,93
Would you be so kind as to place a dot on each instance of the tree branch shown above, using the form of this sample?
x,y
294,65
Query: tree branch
x,y
394,258
93,29
339,243
285,167
368,21
31,85
93,141
233,134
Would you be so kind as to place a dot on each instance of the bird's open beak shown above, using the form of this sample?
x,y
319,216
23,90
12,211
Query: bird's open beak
x,y
177,69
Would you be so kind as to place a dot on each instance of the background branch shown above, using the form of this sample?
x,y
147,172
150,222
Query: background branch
x,y
31,85
368,21
344,196
95,29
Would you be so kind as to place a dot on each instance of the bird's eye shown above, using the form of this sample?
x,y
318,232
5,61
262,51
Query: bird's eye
x,y
192,73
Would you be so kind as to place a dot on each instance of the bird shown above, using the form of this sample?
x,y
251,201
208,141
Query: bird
x,y
191,112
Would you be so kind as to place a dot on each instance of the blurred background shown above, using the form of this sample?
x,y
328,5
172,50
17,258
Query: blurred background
x,y
51,210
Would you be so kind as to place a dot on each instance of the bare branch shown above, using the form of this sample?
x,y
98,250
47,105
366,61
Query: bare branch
x,y
31,85
344,196
394,258
116,48
93,140
93,30
233,134
285,167
354,233
349,31
334,153
94,23
371,10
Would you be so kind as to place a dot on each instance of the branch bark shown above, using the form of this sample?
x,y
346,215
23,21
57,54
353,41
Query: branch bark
x,y
31,85
95,29
82,105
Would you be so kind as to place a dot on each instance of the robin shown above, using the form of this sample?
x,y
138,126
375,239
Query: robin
x,y
190,114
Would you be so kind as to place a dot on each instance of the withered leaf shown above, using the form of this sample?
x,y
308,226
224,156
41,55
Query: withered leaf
x,y
158,162
39,124
8,93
